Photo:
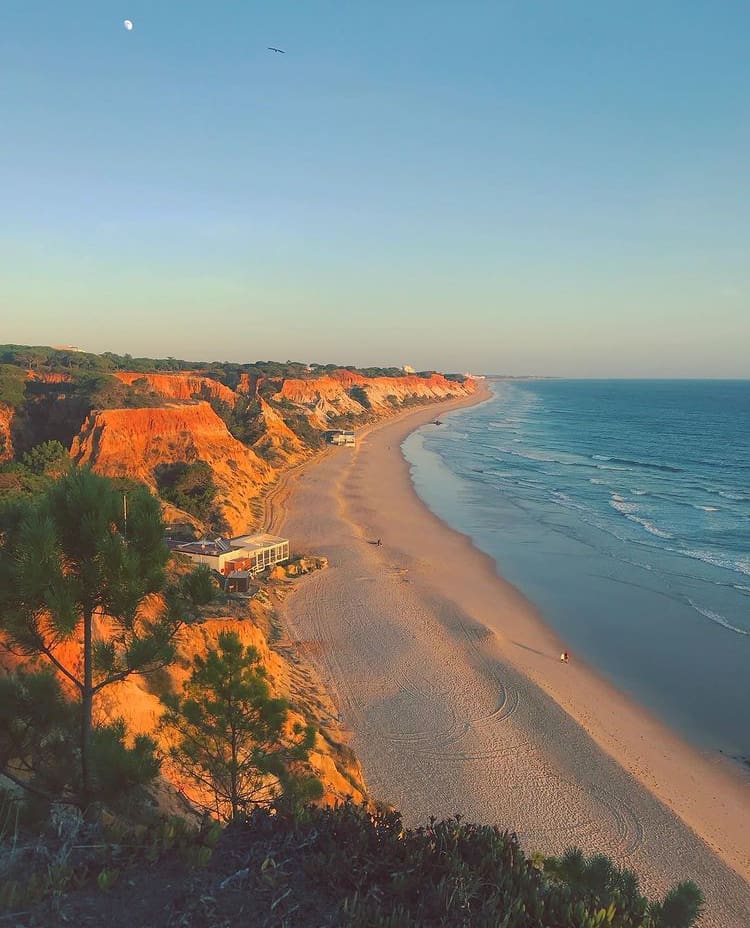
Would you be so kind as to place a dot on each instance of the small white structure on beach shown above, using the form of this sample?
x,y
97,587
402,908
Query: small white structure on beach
x,y
342,437
251,553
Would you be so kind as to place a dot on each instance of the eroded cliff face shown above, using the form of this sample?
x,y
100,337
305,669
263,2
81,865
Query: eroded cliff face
x,y
278,443
134,442
181,386
343,392
6,439
185,428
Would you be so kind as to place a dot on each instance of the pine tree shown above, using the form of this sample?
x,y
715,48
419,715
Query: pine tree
x,y
75,572
229,735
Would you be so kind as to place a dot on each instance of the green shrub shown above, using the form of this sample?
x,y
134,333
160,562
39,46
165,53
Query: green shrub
x,y
359,394
12,385
48,458
190,487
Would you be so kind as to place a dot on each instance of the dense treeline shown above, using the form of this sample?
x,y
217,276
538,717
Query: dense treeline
x,y
88,372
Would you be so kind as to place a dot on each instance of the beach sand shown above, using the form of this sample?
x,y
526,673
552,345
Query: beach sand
x,y
454,698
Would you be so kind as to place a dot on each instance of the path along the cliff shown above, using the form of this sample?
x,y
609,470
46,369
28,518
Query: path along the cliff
x,y
456,701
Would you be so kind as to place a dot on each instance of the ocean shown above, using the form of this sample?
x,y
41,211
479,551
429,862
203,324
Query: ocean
x,y
622,510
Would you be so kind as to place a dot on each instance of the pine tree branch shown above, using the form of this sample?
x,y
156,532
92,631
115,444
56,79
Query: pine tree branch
x,y
61,667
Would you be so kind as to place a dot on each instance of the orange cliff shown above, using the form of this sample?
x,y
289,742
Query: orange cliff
x,y
331,394
133,442
181,386
6,439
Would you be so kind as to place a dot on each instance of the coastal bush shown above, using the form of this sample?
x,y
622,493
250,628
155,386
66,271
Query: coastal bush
x,y
302,428
49,457
360,868
451,873
190,487
359,395
199,586
244,419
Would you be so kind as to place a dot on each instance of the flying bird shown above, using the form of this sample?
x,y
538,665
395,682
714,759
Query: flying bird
x,y
279,50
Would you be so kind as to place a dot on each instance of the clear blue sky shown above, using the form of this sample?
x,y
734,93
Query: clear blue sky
x,y
544,186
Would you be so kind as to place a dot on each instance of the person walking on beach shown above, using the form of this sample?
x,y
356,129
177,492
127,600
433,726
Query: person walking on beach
x,y
565,657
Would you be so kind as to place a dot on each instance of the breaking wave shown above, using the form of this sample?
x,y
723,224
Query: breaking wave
x,y
632,462
719,619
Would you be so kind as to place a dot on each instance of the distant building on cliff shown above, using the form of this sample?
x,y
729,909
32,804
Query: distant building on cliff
x,y
341,437
408,369
251,553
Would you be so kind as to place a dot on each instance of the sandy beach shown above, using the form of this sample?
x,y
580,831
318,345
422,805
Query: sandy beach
x,y
454,698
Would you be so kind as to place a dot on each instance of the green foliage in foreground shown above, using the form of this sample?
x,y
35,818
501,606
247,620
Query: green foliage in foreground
x,y
68,558
342,867
474,876
40,743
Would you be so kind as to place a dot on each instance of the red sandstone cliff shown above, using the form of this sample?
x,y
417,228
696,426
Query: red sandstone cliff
x,y
6,440
278,443
133,442
181,386
334,389
340,392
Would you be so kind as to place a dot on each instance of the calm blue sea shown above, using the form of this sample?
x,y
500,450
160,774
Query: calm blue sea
x,y
622,510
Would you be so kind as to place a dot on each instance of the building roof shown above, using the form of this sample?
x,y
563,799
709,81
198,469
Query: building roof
x,y
257,542
213,547
216,547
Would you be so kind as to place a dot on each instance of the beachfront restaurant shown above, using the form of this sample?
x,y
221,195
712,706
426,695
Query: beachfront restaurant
x,y
251,553
263,550
341,437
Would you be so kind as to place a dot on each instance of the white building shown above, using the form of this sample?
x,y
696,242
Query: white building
x,y
408,369
246,552
342,437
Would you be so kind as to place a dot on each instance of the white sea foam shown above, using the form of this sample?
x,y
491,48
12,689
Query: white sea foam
x,y
651,528
622,505
739,565
709,508
629,510
718,619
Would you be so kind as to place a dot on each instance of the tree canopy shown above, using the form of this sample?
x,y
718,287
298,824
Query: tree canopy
x,y
231,746
77,577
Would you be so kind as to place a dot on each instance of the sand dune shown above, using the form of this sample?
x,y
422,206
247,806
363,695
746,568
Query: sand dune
x,y
456,701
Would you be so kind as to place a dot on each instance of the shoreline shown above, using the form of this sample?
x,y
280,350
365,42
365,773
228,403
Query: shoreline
x,y
498,652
